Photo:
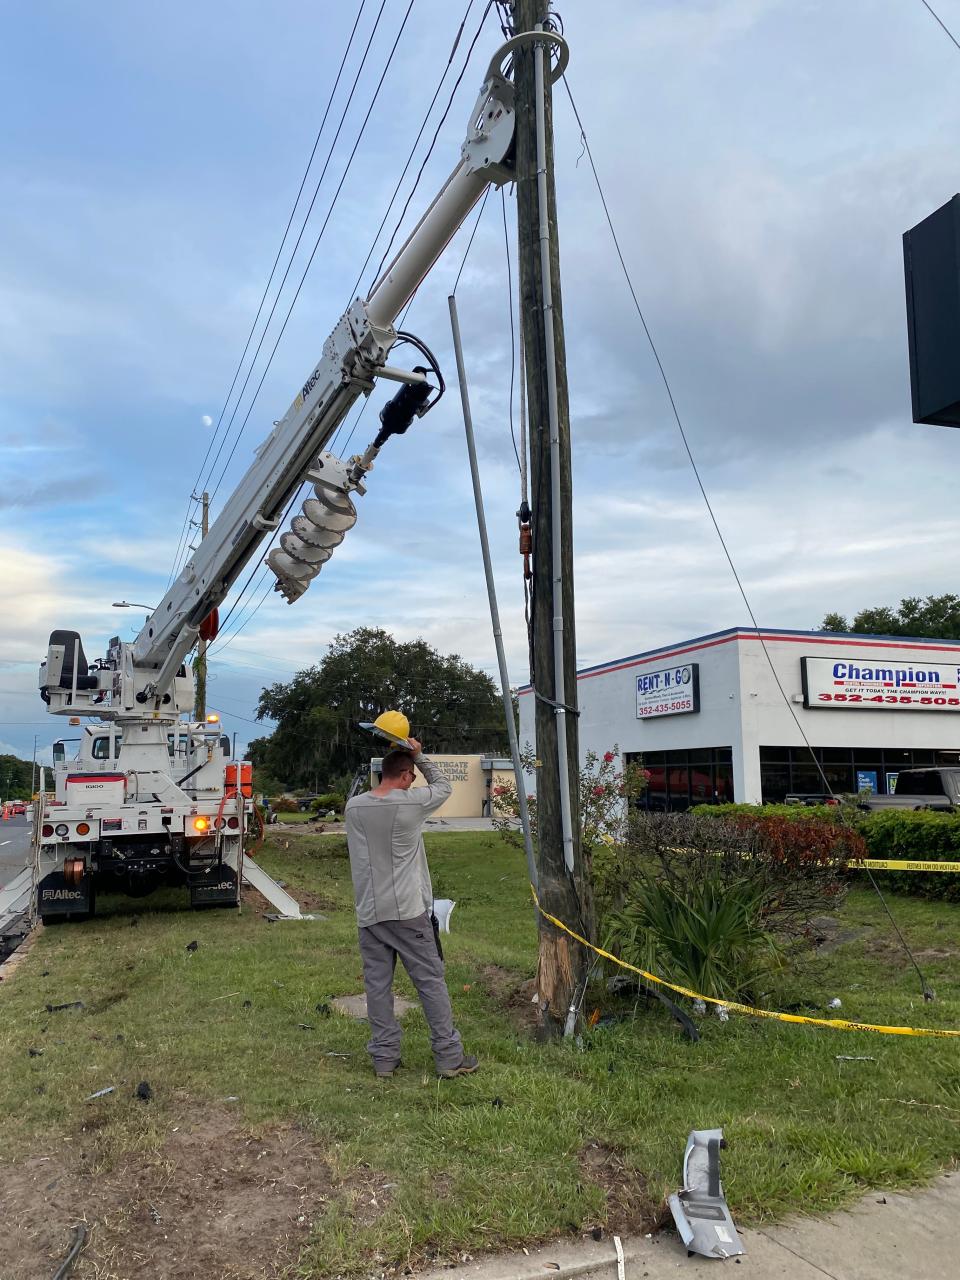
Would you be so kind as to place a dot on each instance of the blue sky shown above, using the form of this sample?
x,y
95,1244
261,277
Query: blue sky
x,y
762,159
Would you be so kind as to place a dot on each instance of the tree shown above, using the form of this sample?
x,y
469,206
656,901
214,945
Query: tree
x,y
16,778
451,706
935,618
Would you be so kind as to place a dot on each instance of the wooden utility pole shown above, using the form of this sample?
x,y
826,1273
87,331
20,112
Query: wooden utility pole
x,y
200,666
563,964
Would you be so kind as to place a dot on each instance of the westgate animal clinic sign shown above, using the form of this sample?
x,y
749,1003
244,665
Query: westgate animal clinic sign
x,y
876,685
669,692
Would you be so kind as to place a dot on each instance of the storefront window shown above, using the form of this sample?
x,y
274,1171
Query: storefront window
x,y
679,779
792,771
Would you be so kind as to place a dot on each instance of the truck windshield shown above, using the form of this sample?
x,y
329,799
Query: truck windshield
x,y
920,782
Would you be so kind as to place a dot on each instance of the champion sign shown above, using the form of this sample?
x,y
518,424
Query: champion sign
x,y
878,685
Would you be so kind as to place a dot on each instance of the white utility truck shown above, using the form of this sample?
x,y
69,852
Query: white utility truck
x,y
153,797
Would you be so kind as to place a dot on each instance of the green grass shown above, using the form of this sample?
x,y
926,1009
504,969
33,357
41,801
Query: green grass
x,y
492,1159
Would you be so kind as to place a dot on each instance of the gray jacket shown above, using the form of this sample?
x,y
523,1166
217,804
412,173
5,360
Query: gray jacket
x,y
391,879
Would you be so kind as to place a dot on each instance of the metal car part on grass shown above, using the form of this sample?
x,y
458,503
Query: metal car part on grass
x,y
699,1210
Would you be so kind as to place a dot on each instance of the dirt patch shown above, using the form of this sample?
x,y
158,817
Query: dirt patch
x,y
935,953
514,995
630,1209
310,903
215,1201
827,934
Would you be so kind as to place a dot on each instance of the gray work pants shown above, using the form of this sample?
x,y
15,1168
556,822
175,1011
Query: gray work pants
x,y
416,944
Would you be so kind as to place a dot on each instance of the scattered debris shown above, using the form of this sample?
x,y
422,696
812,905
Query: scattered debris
x,y
144,1092
35,1053
835,1003
699,1210
442,911
79,1240
101,1093
229,996
231,1098
853,1057
306,1026
621,1272
330,1053
324,1010
247,1004
192,946
71,1004
723,1013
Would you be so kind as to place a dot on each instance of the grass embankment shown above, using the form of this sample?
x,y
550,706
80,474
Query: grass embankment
x,y
504,1156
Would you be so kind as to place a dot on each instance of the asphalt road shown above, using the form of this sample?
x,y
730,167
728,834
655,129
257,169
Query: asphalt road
x,y
14,848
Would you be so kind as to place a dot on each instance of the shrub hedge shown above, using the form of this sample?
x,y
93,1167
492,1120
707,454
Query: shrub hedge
x,y
916,835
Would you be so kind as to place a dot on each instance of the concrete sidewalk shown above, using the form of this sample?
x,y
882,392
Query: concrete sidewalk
x,y
909,1236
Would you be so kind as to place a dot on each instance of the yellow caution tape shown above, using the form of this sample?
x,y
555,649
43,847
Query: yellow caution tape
x,y
900,864
855,864
837,1024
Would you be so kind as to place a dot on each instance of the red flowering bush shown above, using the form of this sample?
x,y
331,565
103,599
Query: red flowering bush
x,y
604,794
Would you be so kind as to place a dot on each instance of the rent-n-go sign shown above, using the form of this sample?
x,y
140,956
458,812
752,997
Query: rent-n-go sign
x,y
879,685
668,692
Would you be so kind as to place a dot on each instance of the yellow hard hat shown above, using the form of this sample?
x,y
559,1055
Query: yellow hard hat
x,y
394,724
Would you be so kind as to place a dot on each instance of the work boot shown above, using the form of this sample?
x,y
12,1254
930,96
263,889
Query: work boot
x,y
385,1071
467,1066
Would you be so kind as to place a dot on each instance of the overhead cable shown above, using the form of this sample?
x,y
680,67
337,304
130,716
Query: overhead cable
x,y
513,334
266,290
316,244
716,525
938,19
433,143
416,142
316,192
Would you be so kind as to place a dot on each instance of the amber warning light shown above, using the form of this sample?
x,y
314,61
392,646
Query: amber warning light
x,y
201,824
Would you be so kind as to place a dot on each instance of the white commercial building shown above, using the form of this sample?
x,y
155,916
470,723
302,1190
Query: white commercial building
x,y
724,716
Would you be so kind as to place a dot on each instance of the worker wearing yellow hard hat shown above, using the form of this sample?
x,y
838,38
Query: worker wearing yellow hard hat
x,y
394,899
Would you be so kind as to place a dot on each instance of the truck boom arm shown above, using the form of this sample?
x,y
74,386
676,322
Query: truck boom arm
x,y
353,356
146,676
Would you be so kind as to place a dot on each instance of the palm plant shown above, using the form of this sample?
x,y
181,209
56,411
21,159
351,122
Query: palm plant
x,y
709,935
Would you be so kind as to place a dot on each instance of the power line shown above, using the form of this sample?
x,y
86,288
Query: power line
x,y
266,290
416,143
466,254
726,550
513,335
403,318
228,639
433,143
938,19
316,245
316,192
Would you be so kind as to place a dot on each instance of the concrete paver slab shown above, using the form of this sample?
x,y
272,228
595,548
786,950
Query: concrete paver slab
x,y
887,1234
356,1006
